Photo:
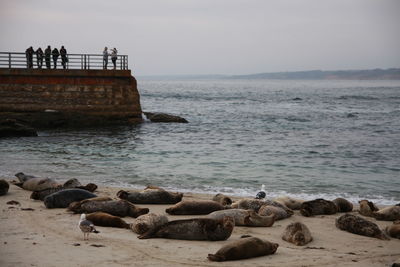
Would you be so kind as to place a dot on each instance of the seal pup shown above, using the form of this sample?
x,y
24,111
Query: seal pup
x,y
194,207
277,212
104,219
193,229
343,205
4,186
222,199
387,214
297,233
63,198
244,248
359,226
317,207
146,222
367,208
151,196
393,230
291,203
120,208
244,217
86,227
256,204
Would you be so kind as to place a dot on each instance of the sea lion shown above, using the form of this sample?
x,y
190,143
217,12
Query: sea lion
x,y
222,199
318,207
291,203
4,186
360,226
367,208
151,196
388,214
277,212
146,222
244,248
343,205
297,233
104,219
63,198
119,208
193,229
255,204
194,207
393,230
244,217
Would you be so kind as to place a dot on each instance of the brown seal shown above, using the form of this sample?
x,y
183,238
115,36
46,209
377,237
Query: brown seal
x,y
146,222
318,207
297,233
194,229
367,208
343,205
277,212
256,204
151,195
360,226
388,214
393,230
4,186
37,184
194,207
119,208
104,219
244,217
244,248
291,203
222,199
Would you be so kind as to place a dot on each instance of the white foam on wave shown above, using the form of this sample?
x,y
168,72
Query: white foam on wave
x,y
144,117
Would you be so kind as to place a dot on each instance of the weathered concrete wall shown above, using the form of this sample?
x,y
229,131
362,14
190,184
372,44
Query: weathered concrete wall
x,y
101,93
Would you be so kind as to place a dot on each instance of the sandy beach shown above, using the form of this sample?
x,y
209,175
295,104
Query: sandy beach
x,y
31,235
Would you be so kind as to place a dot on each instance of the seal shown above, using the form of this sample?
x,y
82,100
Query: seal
x,y
297,233
107,220
388,214
244,217
147,222
222,199
359,226
343,205
244,248
367,208
37,184
40,195
193,229
74,183
194,207
63,198
256,204
393,230
4,186
277,212
119,208
23,177
318,207
151,195
291,203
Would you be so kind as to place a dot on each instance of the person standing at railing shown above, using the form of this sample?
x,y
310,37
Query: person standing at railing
x,y
55,54
114,57
39,57
29,57
64,59
47,55
105,58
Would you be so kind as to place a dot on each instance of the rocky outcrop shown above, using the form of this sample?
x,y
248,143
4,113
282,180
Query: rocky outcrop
x,y
11,128
163,117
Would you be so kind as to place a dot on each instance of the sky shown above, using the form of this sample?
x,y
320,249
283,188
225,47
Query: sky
x,y
175,37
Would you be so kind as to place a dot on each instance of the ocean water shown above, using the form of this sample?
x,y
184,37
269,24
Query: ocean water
x,y
306,139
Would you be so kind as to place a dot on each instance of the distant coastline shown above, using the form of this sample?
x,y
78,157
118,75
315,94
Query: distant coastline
x,y
373,74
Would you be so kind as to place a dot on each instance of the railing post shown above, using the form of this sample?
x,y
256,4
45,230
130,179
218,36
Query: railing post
x,y
88,62
9,60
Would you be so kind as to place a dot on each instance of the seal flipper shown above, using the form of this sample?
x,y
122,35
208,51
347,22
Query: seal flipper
x,y
215,257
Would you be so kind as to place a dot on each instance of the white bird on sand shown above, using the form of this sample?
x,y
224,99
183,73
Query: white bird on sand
x,y
261,194
86,226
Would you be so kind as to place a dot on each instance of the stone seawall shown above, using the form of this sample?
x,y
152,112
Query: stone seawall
x,y
74,96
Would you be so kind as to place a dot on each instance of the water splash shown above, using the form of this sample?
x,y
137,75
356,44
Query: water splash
x,y
144,117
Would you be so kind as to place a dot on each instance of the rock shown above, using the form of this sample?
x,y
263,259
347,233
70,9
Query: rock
x,y
11,128
163,117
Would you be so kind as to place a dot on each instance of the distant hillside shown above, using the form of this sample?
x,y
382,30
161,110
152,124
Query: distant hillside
x,y
375,74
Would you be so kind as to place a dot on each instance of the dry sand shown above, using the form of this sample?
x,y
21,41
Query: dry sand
x,y
51,237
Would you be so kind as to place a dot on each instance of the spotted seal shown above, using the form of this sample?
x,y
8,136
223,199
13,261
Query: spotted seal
x,y
151,195
360,226
194,207
63,198
387,214
343,205
291,203
318,207
393,230
40,195
107,220
146,222
244,217
297,233
222,199
277,212
367,208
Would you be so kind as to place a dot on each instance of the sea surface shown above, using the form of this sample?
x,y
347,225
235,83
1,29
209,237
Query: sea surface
x,y
306,139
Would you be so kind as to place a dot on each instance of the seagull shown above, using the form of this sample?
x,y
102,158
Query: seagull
x,y
86,226
261,194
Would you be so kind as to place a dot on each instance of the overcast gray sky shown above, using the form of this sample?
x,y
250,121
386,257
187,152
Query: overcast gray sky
x,y
213,36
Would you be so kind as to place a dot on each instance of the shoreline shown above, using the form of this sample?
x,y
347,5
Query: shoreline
x,y
49,237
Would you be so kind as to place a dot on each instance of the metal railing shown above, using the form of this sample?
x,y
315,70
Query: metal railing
x,y
12,60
